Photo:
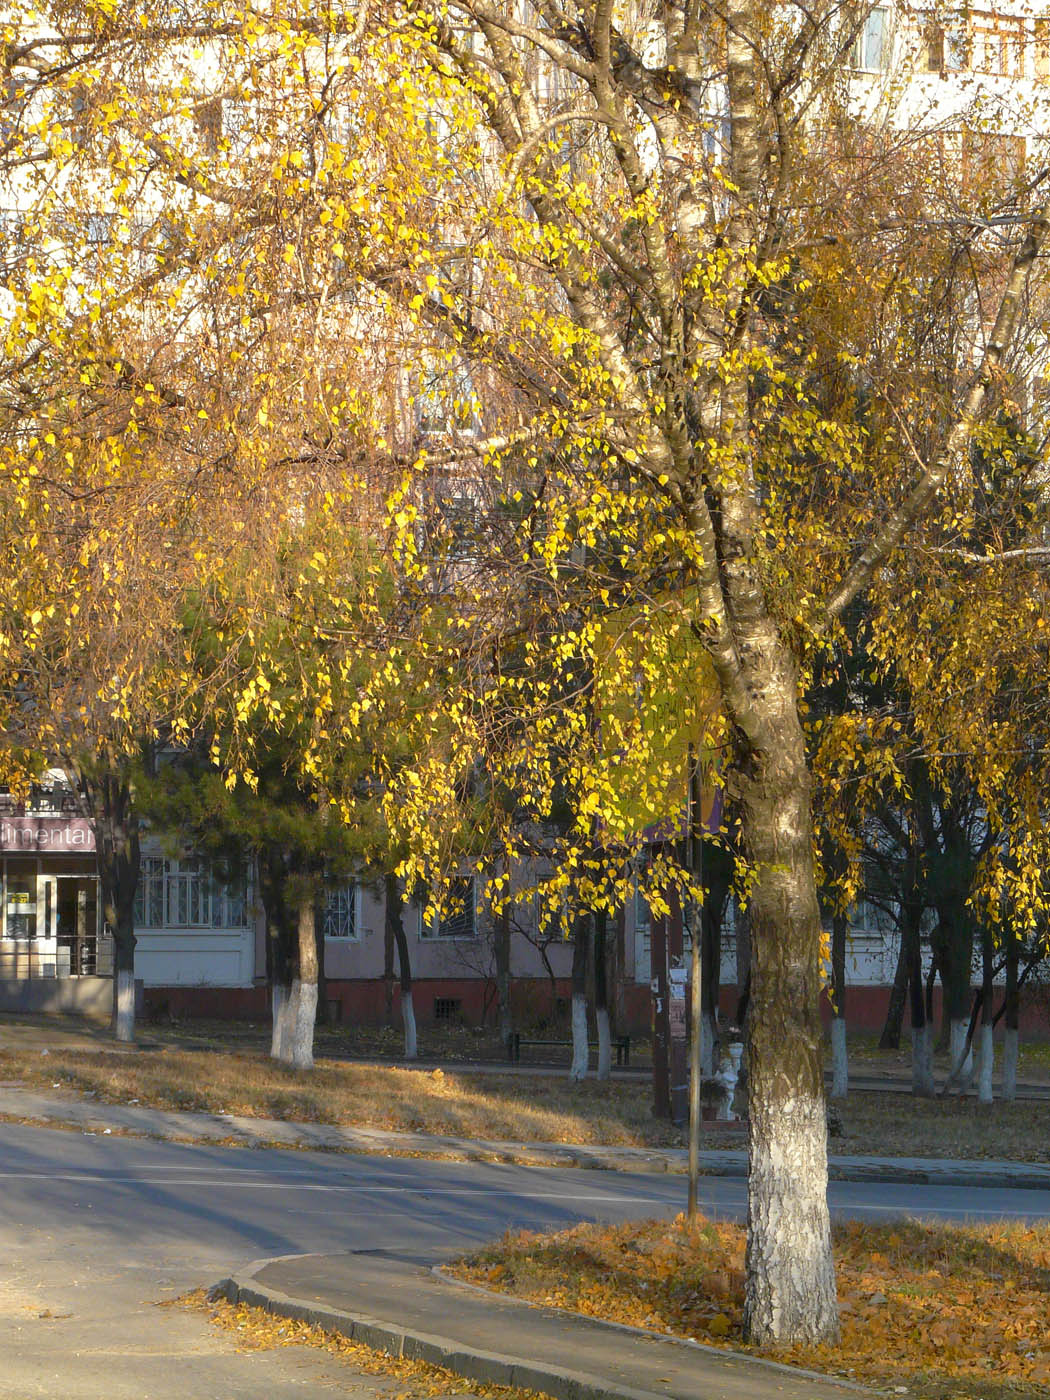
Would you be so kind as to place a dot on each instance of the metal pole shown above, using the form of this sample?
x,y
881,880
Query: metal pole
x,y
695,999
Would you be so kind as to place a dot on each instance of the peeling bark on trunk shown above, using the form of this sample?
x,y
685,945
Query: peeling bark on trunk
x,y
790,1290
395,919
581,939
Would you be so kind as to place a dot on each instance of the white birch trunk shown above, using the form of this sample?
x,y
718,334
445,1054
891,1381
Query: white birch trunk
x,y
707,1045
839,1059
279,1034
922,1084
1010,1048
604,1043
303,1007
787,1190
961,1075
408,1022
578,1068
985,1063
124,1005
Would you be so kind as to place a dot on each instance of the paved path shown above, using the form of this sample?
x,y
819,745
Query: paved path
x,y
412,1311
87,1114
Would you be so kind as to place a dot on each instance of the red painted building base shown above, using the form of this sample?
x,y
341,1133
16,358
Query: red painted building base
x,y
472,1002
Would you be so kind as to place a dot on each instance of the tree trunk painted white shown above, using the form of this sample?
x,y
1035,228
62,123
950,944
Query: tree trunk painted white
x,y
280,1039
985,1063
303,1007
1010,1048
787,1191
707,1045
578,1068
922,1084
604,1070
408,1022
961,1076
124,1004
839,1059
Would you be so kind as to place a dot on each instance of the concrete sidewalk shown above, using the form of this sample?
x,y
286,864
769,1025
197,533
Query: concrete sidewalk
x,y
407,1309
64,1109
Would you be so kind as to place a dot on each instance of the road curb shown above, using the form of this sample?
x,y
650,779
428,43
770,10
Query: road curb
x,y
231,1130
486,1367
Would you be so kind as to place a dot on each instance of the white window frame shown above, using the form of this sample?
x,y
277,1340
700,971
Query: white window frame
x,y
175,889
865,58
340,921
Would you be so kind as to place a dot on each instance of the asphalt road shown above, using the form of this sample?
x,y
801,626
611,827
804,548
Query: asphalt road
x,y
95,1230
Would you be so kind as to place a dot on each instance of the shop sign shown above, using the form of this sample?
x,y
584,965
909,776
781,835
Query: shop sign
x,y
53,835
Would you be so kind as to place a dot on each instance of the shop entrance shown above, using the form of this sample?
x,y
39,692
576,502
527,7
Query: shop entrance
x,y
76,925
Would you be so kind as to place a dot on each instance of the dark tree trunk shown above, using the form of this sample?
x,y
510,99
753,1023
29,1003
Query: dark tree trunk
x,y
1012,1011
601,993
502,951
281,951
109,800
921,1028
324,1008
388,969
395,920
890,1039
839,1049
986,1047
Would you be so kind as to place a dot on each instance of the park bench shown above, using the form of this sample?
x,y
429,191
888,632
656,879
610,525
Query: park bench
x,y
621,1044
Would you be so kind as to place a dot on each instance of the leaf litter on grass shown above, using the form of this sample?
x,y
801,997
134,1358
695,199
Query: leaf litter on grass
x,y
944,1310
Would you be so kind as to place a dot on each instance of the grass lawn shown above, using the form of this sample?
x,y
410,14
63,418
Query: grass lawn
x,y
946,1311
533,1108
213,1067
544,1108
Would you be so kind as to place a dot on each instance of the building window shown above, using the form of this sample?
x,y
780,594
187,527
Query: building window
x,y
992,164
871,48
643,918
944,44
997,45
457,917
340,912
1041,51
447,1009
185,894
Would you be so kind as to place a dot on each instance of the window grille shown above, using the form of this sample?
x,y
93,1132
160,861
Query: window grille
x,y
185,894
457,918
340,912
